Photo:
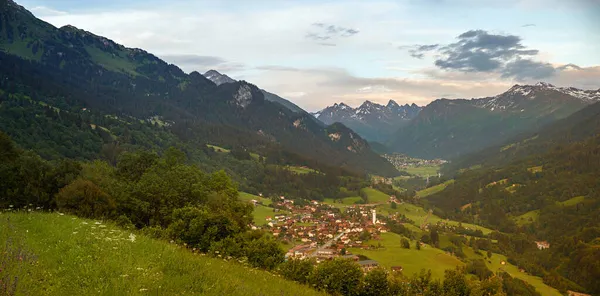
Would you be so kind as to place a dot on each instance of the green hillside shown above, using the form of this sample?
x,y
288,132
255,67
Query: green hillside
x,y
66,255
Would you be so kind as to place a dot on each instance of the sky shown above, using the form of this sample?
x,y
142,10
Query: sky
x,y
316,53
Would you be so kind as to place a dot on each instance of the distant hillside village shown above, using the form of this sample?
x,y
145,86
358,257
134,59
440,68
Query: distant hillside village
x,y
402,162
325,231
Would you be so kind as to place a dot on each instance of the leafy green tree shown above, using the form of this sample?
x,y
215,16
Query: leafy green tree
x,y
393,205
264,253
85,199
297,270
376,283
455,284
405,243
337,277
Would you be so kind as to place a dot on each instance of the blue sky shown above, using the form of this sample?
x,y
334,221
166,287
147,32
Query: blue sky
x,y
316,53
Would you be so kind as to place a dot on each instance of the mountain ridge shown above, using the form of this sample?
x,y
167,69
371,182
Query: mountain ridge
x,y
95,73
372,121
450,128
219,78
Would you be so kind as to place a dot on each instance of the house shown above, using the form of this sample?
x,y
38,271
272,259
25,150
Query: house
x,y
368,265
542,245
397,268
572,293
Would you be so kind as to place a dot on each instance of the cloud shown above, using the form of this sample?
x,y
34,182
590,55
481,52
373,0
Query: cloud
x,y
479,51
322,31
418,51
42,11
190,62
528,25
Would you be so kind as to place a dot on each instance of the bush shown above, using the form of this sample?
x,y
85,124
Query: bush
x,y
297,270
337,277
83,198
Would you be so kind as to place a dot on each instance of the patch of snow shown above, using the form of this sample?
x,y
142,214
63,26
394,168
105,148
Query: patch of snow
x,y
243,97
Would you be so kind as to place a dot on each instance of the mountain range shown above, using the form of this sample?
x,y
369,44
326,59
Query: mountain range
x,y
450,128
70,69
372,121
218,79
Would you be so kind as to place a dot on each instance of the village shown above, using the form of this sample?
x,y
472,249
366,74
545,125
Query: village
x,y
323,231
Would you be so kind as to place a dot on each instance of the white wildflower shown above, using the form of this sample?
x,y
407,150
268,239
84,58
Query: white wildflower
x,y
143,290
132,237
97,223
84,223
74,232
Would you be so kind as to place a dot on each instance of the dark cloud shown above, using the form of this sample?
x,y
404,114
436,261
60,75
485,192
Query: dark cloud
x,y
528,25
190,62
327,32
418,51
480,51
528,69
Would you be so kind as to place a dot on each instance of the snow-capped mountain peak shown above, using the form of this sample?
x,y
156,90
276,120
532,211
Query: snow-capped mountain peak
x,y
218,78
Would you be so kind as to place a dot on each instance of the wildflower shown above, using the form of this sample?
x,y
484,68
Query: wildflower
x,y
143,290
102,226
61,214
10,206
139,268
84,223
132,237
74,232
124,275
97,223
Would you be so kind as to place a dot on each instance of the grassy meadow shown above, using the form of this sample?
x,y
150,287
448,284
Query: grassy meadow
x,y
54,254
411,260
433,189
423,171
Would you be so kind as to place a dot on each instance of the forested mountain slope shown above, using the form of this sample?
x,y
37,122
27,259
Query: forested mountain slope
x,y
552,196
580,125
451,128
73,70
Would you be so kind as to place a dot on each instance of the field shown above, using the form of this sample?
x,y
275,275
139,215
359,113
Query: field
x,y
301,170
219,149
527,218
248,197
261,213
571,202
495,265
375,196
434,189
423,171
346,201
54,254
418,215
411,260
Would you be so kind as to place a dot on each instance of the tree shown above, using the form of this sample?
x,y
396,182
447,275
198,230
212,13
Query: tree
x,y
455,284
297,270
405,243
337,277
435,237
417,245
393,205
264,253
85,199
376,283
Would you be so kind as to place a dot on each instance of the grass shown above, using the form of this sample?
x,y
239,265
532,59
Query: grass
x,y
301,170
527,218
411,260
423,171
248,197
74,256
571,202
111,62
537,282
536,169
219,149
261,213
434,189
346,201
375,196
418,214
